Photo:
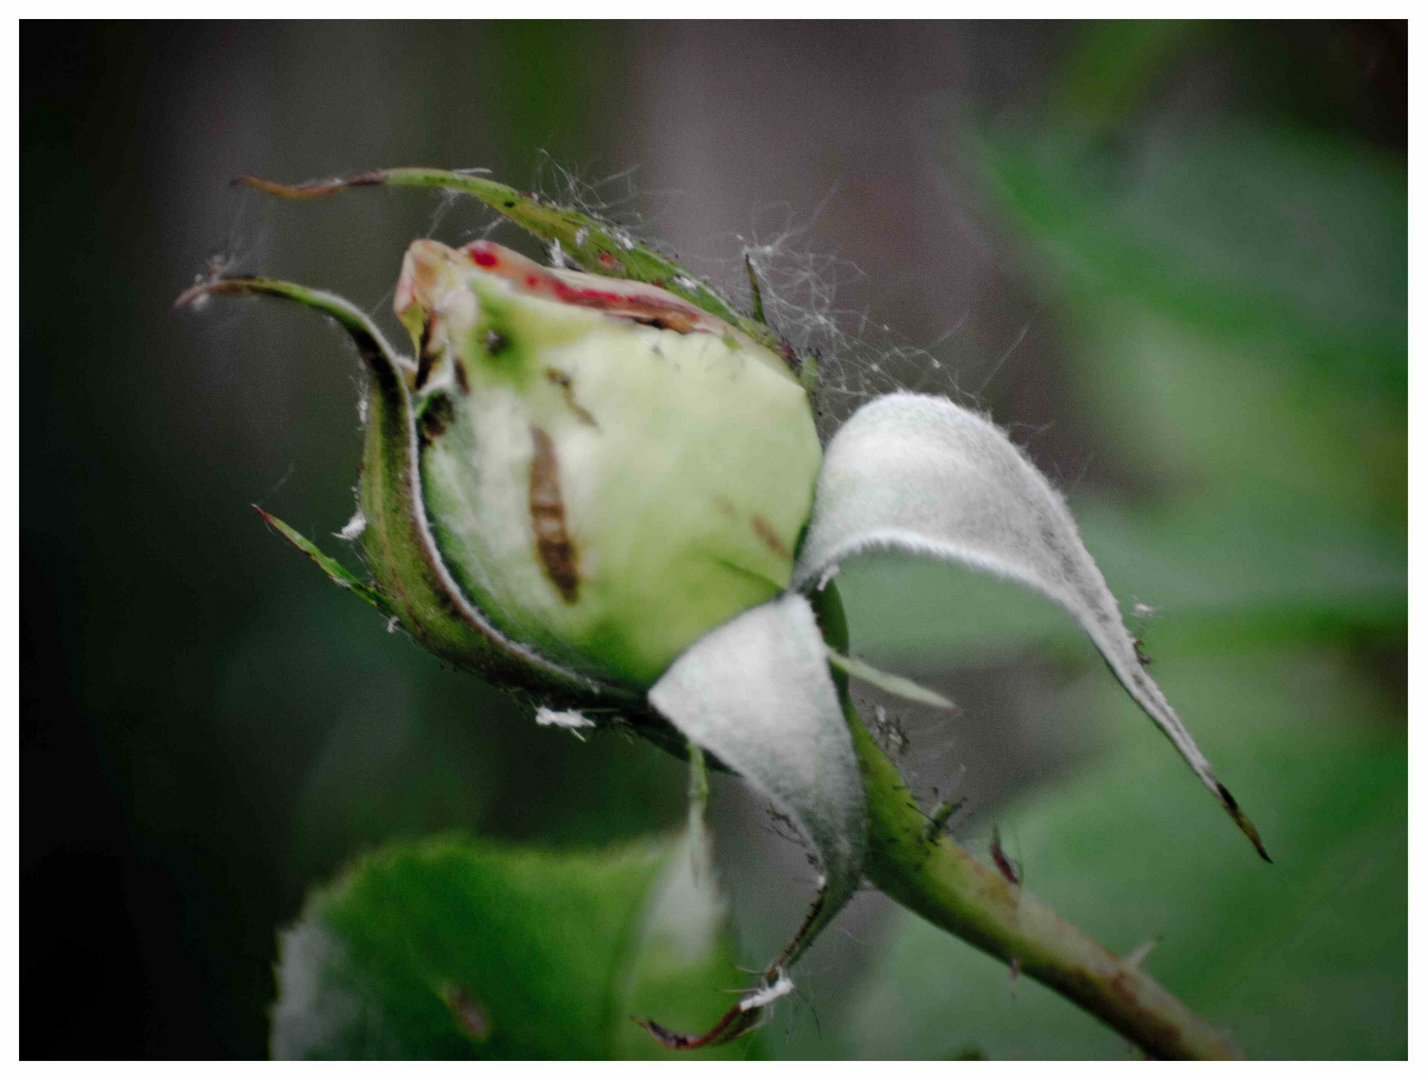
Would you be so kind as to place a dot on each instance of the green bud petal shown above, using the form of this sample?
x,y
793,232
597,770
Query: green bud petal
x,y
609,471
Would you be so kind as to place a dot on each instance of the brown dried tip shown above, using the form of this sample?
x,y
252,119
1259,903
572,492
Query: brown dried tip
x,y
308,191
1241,820
384,364
215,287
730,1026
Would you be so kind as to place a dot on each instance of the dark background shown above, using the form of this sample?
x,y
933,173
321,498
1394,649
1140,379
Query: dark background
x,y
1171,258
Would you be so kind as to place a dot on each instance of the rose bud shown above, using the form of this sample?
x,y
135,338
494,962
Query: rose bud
x,y
600,487
609,471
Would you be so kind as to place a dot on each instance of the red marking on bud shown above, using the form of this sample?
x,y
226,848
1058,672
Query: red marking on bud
x,y
641,303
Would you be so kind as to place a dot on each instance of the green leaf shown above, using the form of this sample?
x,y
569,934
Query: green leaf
x,y
1190,410
1236,296
1234,226
456,948
1304,959
1112,65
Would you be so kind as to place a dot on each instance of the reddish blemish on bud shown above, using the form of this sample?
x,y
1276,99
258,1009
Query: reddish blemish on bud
x,y
639,303
607,260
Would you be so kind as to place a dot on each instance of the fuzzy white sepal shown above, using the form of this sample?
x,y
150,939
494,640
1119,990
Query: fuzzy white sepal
x,y
919,474
757,693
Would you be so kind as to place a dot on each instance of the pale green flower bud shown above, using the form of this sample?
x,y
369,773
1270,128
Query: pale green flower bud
x,y
609,472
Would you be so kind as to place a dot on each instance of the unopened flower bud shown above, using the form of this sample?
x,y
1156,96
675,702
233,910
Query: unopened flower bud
x,y
609,472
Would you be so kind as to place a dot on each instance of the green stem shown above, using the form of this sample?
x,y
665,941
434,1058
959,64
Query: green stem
x,y
941,881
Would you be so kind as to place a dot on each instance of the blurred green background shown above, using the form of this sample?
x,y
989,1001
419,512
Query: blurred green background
x,y
1171,258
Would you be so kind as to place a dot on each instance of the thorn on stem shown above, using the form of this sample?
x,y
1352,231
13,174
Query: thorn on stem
x,y
1139,954
1003,862
940,814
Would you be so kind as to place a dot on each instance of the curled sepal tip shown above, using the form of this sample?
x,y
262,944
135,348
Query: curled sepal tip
x,y
742,1018
311,190
918,474
758,694
408,567
596,246
380,359
730,1026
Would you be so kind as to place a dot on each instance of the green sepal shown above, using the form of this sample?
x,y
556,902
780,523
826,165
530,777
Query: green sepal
x,y
328,565
400,550
596,246
897,685
382,363
404,558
